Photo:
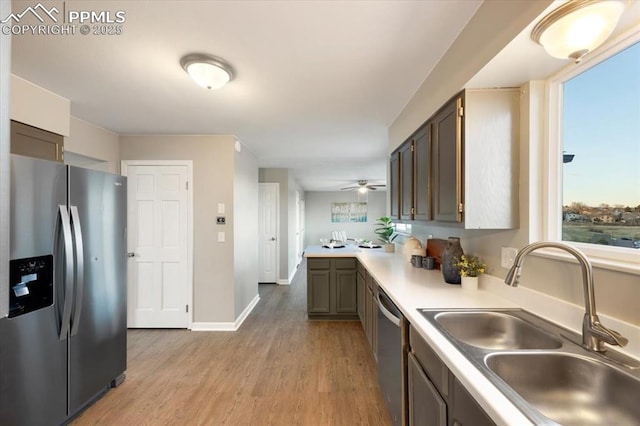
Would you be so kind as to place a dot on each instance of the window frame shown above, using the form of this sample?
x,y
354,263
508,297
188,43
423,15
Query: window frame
x,y
550,208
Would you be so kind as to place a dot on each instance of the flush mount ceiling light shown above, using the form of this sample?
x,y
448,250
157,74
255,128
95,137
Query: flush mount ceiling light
x,y
206,70
577,27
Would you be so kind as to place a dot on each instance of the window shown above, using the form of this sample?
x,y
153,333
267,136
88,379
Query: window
x,y
600,140
591,175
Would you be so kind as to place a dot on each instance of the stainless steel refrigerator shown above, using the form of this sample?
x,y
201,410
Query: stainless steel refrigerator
x,y
64,342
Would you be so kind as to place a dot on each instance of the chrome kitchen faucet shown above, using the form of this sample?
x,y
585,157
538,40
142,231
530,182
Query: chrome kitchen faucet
x,y
594,334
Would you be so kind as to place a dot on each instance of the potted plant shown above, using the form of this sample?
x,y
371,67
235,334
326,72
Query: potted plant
x,y
471,267
386,233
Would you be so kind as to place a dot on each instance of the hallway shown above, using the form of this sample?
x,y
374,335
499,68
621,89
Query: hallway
x,y
278,369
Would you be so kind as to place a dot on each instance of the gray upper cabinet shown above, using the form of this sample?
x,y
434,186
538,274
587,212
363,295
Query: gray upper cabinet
x,y
394,186
406,180
33,142
422,174
465,163
446,160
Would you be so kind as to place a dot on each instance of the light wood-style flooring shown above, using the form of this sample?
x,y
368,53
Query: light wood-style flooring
x,y
277,369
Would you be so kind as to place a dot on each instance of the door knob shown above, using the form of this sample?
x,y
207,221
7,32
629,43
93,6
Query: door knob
x,y
272,239
131,254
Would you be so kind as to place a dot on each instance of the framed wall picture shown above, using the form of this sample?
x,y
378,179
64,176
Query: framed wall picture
x,y
349,212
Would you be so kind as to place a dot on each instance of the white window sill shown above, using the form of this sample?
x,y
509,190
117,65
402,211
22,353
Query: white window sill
x,y
604,258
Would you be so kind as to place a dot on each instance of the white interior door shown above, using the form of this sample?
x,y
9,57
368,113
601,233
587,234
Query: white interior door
x,y
301,229
298,245
158,246
268,232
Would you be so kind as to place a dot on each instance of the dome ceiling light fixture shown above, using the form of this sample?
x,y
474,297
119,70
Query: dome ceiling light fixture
x,y
207,71
577,27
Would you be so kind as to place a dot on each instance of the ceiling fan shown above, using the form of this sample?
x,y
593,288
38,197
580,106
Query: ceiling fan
x,y
363,186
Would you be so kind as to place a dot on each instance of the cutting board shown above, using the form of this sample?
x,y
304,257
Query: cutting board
x,y
435,247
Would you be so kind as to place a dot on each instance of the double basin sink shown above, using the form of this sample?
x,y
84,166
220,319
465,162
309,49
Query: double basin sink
x,y
542,368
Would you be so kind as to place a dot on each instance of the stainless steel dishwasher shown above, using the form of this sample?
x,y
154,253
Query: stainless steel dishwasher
x,y
390,355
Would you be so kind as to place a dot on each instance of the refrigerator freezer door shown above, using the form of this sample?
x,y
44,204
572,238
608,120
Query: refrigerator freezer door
x,y
98,338
33,360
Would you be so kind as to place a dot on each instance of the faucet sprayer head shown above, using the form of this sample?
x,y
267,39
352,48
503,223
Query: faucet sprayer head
x,y
513,276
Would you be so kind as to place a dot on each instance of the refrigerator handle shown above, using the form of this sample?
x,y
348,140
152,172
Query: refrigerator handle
x,y
77,236
68,272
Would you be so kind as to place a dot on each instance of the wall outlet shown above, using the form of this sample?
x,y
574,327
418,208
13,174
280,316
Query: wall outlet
x,y
508,255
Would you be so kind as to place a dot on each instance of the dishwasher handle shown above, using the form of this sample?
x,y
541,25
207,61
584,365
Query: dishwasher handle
x,y
382,305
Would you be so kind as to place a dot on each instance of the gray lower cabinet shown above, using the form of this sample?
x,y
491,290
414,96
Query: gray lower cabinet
x,y
435,396
426,406
360,281
465,410
371,312
332,288
367,306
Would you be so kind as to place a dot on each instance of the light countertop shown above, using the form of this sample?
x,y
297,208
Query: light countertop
x,y
412,288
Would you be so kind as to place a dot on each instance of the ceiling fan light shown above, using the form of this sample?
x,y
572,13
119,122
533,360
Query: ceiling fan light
x,y
577,27
362,190
207,71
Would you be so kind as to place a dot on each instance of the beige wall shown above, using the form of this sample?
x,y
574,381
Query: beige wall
x,y
213,182
38,107
492,27
93,143
245,225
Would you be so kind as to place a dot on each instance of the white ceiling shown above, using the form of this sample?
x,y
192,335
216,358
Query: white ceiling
x,y
317,82
524,60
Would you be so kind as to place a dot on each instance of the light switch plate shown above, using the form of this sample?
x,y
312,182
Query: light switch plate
x,y
221,237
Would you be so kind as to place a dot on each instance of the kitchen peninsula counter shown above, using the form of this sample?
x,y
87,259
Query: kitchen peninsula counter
x,y
412,288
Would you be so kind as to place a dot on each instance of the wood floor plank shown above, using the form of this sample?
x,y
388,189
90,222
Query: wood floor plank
x,y
277,369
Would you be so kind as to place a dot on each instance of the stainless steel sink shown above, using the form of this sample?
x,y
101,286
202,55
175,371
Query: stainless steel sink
x,y
495,330
570,389
543,368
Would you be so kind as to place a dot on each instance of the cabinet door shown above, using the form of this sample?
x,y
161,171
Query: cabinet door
x,y
422,174
394,186
33,142
369,314
426,406
374,317
464,410
319,291
361,297
346,293
447,162
406,181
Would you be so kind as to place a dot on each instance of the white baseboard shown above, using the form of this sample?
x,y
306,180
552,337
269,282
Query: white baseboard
x,y
226,326
288,281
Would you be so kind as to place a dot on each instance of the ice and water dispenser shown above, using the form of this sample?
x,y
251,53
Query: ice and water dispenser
x,y
30,284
